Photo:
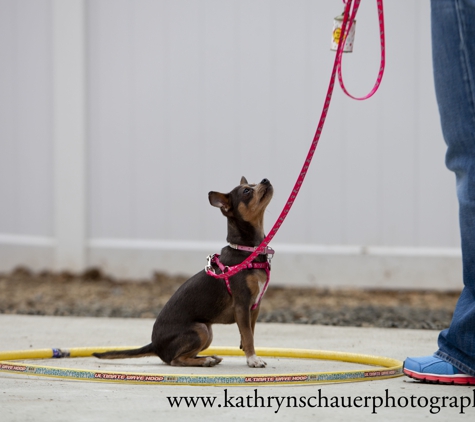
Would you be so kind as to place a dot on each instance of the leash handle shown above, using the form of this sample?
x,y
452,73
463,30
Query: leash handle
x,y
379,5
298,184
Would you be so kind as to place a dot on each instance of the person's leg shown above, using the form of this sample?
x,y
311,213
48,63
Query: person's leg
x,y
453,47
453,30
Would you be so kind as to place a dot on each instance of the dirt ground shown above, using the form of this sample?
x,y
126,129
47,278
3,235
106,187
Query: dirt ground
x,y
95,294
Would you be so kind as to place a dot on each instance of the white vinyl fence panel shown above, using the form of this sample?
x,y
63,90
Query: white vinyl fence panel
x,y
182,97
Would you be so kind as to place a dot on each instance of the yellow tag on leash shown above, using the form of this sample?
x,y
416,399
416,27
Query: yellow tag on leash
x,y
336,34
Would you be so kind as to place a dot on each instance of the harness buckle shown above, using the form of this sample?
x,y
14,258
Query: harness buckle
x,y
209,267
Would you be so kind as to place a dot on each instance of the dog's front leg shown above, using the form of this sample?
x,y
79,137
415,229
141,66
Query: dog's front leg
x,y
243,319
254,315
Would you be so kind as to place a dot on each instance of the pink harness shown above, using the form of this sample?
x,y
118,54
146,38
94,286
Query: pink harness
x,y
214,259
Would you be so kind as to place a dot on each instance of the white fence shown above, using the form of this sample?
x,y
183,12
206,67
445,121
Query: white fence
x,y
118,117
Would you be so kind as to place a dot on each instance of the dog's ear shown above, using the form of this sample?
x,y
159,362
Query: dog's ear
x,y
219,200
243,181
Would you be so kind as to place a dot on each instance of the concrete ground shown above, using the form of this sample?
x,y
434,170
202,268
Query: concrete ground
x,y
25,398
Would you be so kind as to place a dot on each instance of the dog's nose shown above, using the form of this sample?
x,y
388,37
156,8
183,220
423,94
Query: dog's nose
x,y
265,182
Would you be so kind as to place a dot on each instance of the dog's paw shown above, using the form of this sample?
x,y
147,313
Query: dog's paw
x,y
255,362
216,358
211,361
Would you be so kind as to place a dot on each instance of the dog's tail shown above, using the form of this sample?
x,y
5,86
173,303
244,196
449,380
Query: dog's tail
x,y
129,353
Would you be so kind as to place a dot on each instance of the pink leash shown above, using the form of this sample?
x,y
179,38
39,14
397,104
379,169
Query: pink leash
x,y
349,16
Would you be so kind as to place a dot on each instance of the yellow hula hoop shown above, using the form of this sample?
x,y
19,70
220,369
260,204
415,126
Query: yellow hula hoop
x,y
383,368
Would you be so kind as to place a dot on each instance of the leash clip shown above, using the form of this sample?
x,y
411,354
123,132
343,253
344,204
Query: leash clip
x,y
269,258
270,253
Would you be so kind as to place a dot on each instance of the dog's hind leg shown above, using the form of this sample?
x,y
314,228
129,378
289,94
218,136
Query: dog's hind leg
x,y
196,340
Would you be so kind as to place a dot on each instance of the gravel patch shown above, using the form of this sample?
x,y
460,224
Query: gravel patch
x,y
95,294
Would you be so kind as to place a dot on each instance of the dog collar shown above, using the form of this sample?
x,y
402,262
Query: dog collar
x,y
266,251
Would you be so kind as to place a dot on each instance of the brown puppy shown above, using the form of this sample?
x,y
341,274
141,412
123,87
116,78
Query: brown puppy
x,y
183,327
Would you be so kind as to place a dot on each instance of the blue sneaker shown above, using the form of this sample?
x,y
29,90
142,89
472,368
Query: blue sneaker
x,y
435,370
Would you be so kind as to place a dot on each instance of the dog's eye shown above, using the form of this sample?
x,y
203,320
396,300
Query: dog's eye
x,y
246,191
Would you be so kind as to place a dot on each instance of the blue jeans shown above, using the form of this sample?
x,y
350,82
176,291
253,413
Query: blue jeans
x,y
453,50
